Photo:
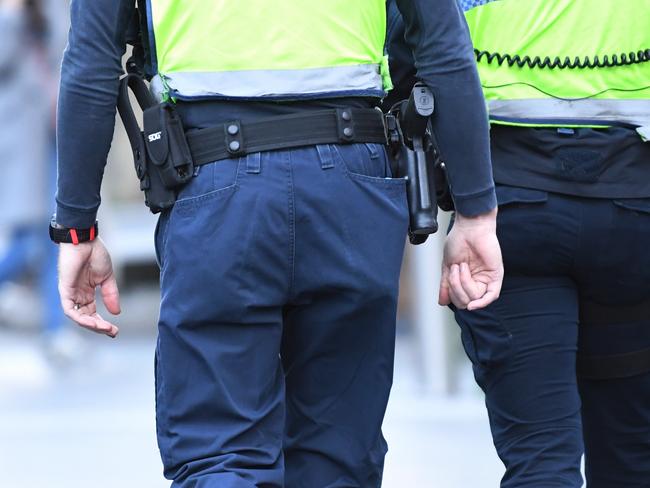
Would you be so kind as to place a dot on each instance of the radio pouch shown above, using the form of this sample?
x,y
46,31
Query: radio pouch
x,y
167,146
161,155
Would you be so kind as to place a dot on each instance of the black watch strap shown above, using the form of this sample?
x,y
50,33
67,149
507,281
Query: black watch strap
x,y
66,235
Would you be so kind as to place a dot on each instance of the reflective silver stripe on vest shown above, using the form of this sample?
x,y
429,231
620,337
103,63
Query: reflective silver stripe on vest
x,y
273,83
635,112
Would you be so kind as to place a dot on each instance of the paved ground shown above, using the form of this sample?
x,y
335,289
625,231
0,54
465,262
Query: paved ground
x,y
92,425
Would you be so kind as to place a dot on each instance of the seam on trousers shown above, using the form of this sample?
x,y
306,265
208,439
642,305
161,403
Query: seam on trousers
x,y
292,223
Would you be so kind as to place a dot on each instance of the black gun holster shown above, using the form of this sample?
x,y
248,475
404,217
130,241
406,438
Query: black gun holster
x,y
415,157
161,154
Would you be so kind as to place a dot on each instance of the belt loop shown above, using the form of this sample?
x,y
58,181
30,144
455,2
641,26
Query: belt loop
x,y
325,156
254,163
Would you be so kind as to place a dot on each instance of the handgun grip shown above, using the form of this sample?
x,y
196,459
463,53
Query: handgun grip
x,y
415,115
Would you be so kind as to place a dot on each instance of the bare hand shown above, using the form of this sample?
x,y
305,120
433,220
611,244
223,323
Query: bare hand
x,y
82,269
472,268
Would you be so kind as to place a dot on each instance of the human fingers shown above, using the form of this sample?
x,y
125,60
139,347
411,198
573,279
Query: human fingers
x,y
491,295
455,301
473,288
75,302
105,327
95,323
443,293
457,294
86,316
111,295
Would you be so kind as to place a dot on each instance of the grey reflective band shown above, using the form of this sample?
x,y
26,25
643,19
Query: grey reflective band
x,y
635,112
274,83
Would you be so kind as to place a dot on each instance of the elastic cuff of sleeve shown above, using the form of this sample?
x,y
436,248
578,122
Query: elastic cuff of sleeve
x,y
477,204
75,219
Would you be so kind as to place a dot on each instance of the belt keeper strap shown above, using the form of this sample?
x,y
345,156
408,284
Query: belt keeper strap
x,y
345,125
234,138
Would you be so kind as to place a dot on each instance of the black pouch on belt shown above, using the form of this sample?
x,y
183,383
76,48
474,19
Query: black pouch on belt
x,y
162,157
167,148
153,162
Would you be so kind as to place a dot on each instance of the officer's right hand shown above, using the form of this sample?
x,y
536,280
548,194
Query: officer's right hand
x,y
472,268
82,269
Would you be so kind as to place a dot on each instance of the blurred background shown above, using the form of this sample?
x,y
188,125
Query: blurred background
x,y
77,410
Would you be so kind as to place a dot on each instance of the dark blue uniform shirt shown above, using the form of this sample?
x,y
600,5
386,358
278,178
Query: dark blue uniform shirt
x,y
436,33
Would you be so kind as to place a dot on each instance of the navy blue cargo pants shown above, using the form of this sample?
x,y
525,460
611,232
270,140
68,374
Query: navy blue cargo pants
x,y
577,281
279,276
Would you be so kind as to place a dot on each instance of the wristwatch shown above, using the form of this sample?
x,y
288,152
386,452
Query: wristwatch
x,y
66,235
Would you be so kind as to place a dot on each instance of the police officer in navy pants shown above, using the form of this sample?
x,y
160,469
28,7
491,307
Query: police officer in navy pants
x,y
563,355
279,269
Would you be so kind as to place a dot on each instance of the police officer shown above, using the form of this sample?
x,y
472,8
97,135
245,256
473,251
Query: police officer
x,y
279,268
568,88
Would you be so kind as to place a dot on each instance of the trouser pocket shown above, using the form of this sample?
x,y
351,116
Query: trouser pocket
x,y
485,339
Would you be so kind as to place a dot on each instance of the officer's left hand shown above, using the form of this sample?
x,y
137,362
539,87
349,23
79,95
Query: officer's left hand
x,y
82,269
472,268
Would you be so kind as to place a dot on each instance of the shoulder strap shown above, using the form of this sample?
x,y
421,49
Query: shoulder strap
x,y
134,83
136,36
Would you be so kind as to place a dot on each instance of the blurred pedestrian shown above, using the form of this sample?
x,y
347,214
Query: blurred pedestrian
x,y
30,51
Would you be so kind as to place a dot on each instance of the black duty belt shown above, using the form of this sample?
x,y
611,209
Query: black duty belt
x,y
335,126
165,155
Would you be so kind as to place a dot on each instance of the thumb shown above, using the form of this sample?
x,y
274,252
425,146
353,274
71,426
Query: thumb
x,y
491,295
111,295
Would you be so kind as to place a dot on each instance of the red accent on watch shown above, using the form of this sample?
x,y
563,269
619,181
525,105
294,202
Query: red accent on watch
x,y
60,234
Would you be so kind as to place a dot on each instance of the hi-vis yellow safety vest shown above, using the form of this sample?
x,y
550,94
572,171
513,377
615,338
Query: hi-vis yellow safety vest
x,y
280,49
563,62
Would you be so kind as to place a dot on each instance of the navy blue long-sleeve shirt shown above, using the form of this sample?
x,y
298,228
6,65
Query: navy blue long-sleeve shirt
x,y
435,31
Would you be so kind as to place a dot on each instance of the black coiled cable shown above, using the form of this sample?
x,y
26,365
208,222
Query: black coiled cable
x,y
624,59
